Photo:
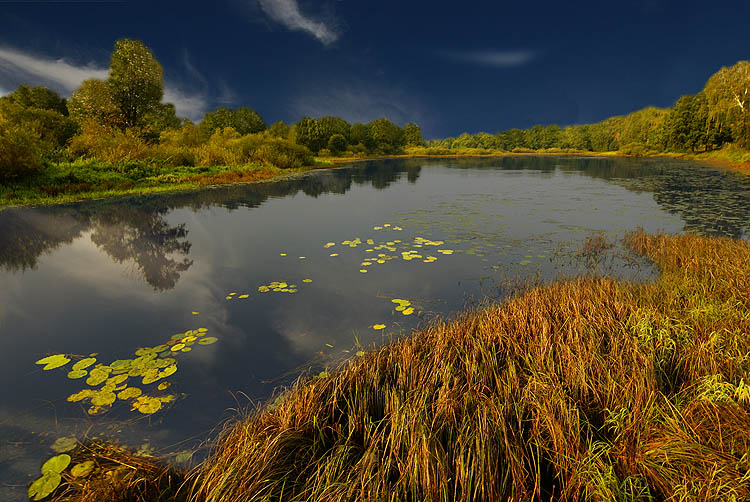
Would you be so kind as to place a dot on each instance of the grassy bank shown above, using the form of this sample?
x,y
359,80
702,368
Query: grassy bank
x,y
92,179
85,179
590,389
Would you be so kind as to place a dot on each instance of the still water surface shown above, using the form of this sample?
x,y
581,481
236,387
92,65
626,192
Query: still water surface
x,y
110,277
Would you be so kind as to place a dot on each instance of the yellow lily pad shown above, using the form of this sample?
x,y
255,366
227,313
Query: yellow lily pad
x,y
77,374
163,385
103,398
84,363
378,326
147,405
129,393
80,396
52,362
177,347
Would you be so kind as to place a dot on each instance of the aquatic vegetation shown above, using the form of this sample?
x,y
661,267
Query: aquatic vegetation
x,y
278,287
151,365
63,444
378,326
52,362
50,478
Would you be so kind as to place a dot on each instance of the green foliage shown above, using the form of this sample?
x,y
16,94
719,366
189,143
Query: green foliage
x,y
728,97
337,143
279,130
243,120
413,135
94,100
359,134
387,136
37,97
308,132
53,128
135,81
21,151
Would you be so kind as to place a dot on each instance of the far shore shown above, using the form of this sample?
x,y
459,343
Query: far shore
x,y
254,174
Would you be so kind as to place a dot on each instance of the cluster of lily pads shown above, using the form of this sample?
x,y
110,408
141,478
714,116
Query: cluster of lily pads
x,y
403,306
152,364
278,287
51,476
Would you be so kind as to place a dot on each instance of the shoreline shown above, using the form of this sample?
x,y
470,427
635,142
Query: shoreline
x,y
266,174
587,388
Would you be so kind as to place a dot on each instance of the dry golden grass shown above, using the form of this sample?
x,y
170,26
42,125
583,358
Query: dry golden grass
x,y
589,389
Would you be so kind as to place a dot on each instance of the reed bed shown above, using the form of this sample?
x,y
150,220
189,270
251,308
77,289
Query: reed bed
x,y
587,389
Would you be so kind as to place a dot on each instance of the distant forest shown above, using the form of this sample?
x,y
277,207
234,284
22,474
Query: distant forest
x,y
122,122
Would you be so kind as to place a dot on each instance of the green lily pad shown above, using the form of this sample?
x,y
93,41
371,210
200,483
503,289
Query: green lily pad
x,y
208,340
63,444
43,486
56,464
52,362
83,469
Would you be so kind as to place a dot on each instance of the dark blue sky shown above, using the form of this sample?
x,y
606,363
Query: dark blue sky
x,y
449,66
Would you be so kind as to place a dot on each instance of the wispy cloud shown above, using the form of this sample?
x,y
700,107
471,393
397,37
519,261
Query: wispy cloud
x,y
287,13
498,59
358,102
17,67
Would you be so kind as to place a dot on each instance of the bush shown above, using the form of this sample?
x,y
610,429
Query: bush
x,y
337,143
108,143
20,151
283,154
636,150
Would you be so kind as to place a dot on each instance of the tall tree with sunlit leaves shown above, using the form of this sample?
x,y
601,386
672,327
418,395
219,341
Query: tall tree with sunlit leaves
x,y
136,81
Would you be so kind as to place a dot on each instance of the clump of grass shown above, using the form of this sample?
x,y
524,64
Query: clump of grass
x,y
119,475
588,389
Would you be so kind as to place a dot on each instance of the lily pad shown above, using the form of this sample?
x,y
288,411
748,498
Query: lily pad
x,y
73,375
147,405
208,340
43,486
52,362
63,444
84,363
184,457
80,396
103,398
379,326
129,393
163,386
56,464
83,469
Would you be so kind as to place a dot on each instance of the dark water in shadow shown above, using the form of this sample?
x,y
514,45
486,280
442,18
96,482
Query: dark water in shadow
x,y
110,277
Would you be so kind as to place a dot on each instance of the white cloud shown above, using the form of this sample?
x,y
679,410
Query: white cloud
x,y
498,59
358,103
287,12
18,68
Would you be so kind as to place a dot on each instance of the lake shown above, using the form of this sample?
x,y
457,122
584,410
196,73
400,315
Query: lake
x,y
202,304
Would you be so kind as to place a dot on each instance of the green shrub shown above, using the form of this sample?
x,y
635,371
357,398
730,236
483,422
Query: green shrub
x,y
283,154
20,151
636,149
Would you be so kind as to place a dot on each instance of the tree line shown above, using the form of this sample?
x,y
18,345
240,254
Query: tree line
x,y
123,120
717,115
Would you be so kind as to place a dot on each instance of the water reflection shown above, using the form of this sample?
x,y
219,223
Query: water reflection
x,y
134,230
